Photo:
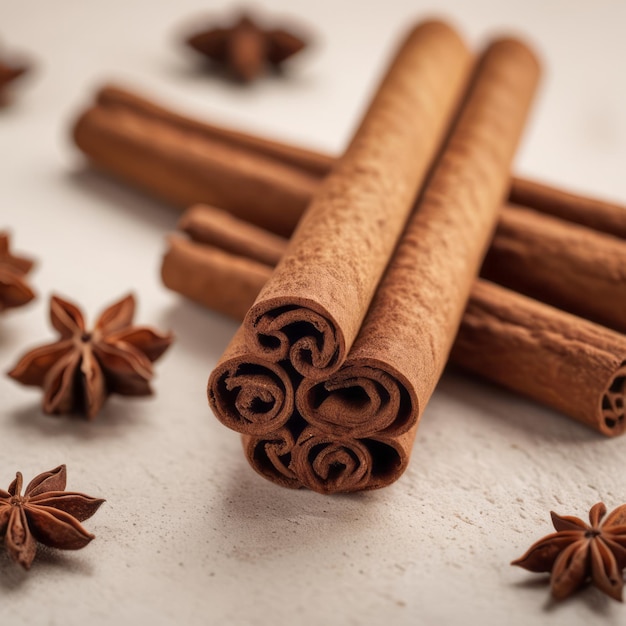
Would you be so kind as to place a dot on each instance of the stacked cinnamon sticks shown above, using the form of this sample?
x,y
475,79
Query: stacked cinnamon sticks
x,y
334,363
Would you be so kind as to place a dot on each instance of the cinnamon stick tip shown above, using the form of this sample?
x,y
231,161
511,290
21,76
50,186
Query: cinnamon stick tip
x,y
513,45
110,93
190,214
435,26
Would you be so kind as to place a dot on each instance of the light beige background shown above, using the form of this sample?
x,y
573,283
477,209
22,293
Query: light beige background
x,y
189,534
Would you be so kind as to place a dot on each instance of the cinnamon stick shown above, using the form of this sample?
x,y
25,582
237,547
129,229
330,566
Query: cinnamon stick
x,y
328,463
381,388
602,216
311,310
252,396
213,278
183,167
113,97
562,361
205,224
558,359
106,149
561,263
556,262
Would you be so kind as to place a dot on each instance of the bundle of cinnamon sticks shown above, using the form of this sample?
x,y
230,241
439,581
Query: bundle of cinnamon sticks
x,y
343,343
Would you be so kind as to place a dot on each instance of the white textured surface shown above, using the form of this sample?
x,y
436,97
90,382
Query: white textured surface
x,y
189,534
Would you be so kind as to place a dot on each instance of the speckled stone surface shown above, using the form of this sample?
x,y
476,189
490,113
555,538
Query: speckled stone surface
x,y
189,534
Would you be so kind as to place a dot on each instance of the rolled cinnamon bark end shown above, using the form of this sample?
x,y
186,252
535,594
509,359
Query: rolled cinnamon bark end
x,y
314,304
560,263
562,361
330,463
206,224
270,456
602,216
327,464
339,464
215,279
249,395
362,399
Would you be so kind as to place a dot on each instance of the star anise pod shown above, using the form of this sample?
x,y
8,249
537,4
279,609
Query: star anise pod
x,y
244,48
14,291
46,513
579,551
83,367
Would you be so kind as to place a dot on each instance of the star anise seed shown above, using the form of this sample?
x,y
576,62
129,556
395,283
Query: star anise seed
x,y
578,552
46,513
245,48
14,290
79,370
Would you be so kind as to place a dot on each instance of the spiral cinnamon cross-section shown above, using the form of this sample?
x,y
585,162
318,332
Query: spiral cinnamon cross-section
x,y
270,456
334,464
614,402
249,395
304,336
330,463
360,400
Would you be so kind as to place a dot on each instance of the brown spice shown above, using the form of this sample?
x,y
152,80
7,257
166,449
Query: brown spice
x,y
79,370
244,49
567,265
268,183
252,396
349,424
578,552
205,224
46,513
560,360
212,277
14,290
597,214
324,283
262,189
113,99
183,167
